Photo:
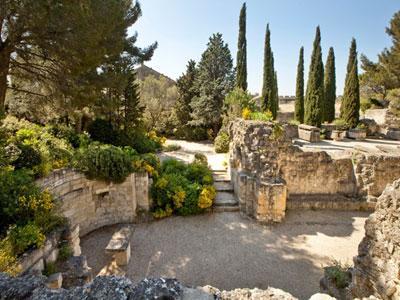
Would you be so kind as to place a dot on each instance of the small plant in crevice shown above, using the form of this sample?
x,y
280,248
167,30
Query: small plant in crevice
x,y
339,274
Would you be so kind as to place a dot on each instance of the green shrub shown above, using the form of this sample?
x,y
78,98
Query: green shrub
x,y
261,116
8,259
171,147
102,131
26,237
200,158
339,274
221,143
65,252
104,162
50,268
340,124
28,158
179,186
69,134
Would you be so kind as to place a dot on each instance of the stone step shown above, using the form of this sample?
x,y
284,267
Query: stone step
x,y
225,199
220,209
223,186
221,176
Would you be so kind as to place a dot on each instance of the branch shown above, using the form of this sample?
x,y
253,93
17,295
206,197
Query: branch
x,y
26,91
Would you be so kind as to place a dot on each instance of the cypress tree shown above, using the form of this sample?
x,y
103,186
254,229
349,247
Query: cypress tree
x,y
241,58
267,96
299,104
330,87
276,96
133,111
315,85
350,108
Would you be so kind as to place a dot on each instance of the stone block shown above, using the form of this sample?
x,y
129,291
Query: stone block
x,y
119,246
52,256
357,134
38,266
309,133
271,202
54,281
393,134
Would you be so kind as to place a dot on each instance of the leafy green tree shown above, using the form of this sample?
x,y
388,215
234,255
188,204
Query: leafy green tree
x,y
187,91
350,107
215,80
299,104
241,59
315,85
60,45
330,88
268,94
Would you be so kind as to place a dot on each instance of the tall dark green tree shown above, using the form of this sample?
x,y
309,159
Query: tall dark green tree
x,y
299,104
241,58
329,87
350,107
215,80
268,95
187,91
315,85
133,110
59,45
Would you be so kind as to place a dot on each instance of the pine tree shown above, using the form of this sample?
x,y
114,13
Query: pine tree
x,y
350,108
133,110
215,80
299,104
187,91
330,87
315,85
268,94
241,59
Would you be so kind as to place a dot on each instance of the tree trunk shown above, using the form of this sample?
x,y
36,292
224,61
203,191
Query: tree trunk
x,y
4,67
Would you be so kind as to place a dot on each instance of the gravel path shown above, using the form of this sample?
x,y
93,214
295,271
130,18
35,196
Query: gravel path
x,y
228,251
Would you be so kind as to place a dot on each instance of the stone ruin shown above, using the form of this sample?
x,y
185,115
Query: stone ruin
x,y
377,266
270,173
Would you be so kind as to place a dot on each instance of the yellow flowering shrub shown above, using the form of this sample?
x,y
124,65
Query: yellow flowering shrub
x,y
8,259
207,197
246,113
179,197
160,213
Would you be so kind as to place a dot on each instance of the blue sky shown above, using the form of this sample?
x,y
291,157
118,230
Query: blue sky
x,y
182,29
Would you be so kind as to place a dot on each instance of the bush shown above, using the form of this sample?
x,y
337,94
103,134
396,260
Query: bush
x,y
201,159
261,116
221,143
8,259
339,274
171,147
102,131
184,189
65,252
341,124
68,133
26,237
28,158
104,162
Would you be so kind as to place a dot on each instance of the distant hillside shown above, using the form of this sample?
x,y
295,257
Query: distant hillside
x,y
143,71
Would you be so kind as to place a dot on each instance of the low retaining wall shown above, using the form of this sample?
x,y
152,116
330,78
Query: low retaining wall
x,y
92,204
313,179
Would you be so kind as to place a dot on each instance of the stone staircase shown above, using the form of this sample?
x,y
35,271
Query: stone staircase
x,y
225,200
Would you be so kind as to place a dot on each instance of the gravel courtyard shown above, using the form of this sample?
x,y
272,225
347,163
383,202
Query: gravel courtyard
x,y
228,251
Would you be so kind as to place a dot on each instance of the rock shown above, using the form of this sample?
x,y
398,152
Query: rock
x,y
158,288
19,287
377,266
320,296
196,294
54,281
76,272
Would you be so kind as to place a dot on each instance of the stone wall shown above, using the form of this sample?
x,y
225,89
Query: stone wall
x,y
93,204
313,179
377,266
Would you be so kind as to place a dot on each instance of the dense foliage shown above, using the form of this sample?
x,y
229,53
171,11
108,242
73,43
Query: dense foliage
x,y
299,104
315,86
183,189
221,142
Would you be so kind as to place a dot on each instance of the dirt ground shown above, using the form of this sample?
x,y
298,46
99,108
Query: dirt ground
x,y
228,251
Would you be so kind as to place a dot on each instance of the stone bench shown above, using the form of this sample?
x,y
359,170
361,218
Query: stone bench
x,y
309,133
119,246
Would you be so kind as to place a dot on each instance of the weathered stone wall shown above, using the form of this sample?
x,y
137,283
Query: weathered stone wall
x,y
93,204
313,179
377,266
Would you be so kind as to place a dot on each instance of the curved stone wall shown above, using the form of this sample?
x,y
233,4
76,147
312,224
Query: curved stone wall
x,y
92,204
